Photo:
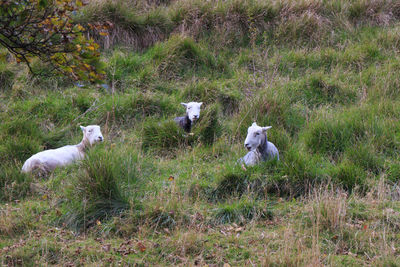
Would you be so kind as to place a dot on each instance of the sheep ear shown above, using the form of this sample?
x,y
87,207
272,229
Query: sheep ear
x,y
184,104
201,103
266,128
254,124
82,128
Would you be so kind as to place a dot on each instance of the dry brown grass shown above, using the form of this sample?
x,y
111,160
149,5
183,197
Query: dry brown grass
x,y
140,24
329,207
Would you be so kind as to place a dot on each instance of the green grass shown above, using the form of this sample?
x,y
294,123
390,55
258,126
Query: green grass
x,y
323,74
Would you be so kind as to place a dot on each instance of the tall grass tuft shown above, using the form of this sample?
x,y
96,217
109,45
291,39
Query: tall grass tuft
x,y
180,55
301,170
99,190
208,92
333,134
165,135
329,208
366,157
233,182
349,175
208,128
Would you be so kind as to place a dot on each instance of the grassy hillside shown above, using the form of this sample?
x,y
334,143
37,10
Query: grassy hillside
x,y
323,74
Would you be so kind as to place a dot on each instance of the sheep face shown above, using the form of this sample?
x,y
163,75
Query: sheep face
x,y
92,133
193,110
255,136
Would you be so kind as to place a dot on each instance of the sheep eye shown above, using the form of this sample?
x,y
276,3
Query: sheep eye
x,y
257,134
91,130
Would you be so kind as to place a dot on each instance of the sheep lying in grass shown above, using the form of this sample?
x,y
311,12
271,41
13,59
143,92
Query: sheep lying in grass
x,y
260,149
46,161
192,114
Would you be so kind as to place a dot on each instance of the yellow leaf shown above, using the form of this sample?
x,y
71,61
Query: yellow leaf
x,y
80,28
78,47
226,265
98,222
91,47
103,33
44,197
171,178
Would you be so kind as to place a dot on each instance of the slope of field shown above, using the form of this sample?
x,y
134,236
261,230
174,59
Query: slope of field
x,y
323,74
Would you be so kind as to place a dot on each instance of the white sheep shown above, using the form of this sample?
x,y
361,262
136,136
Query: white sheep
x,y
260,149
192,114
46,161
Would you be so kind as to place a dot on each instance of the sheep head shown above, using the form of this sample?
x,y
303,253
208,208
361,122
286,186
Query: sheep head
x,y
193,110
254,137
92,134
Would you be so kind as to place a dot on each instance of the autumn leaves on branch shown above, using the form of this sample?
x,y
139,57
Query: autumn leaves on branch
x,y
44,29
